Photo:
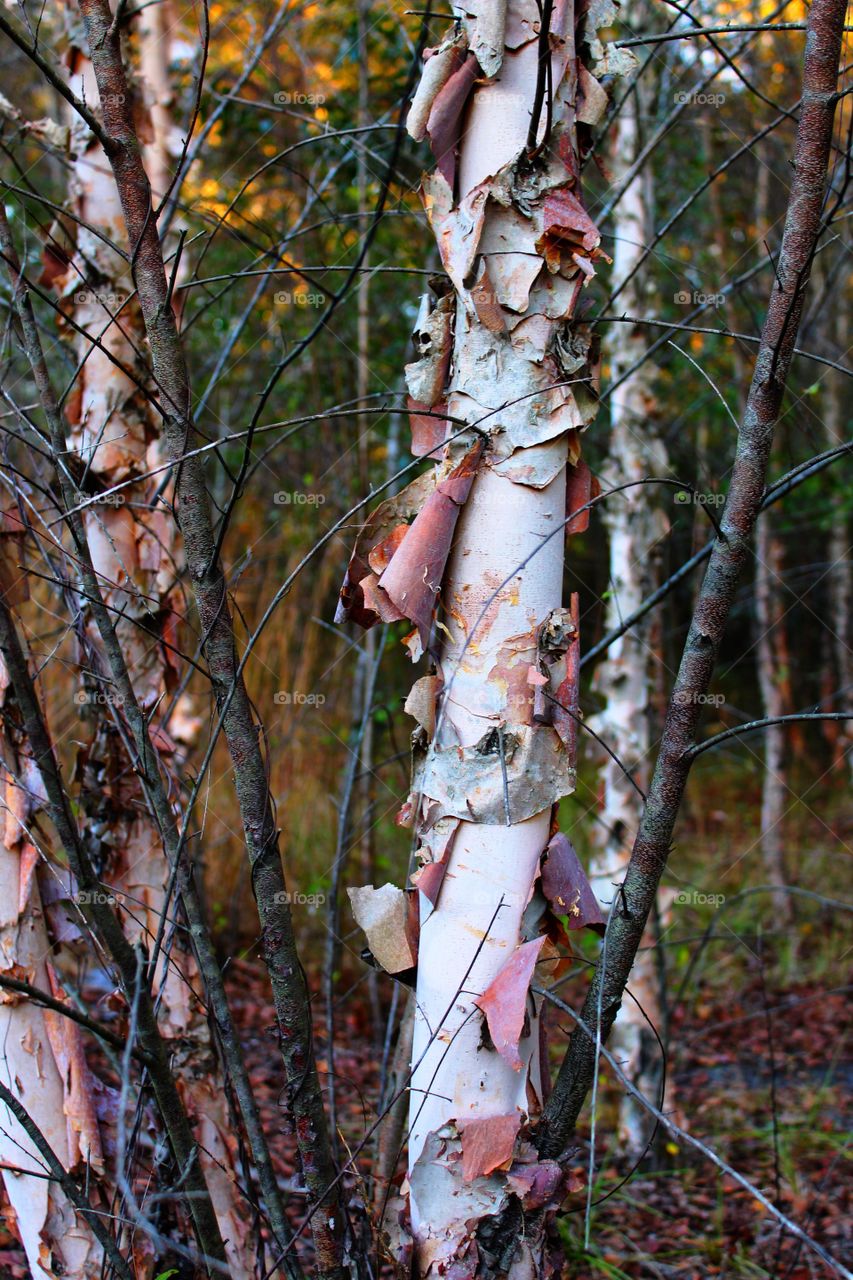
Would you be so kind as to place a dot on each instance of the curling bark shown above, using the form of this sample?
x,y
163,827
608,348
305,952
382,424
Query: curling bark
x,y
43,1059
502,352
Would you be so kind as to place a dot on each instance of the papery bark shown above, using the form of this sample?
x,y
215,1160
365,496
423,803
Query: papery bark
x,y
43,1058
494,747
519,247
210,590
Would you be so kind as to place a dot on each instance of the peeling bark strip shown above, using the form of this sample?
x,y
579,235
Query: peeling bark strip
x,y
730,553
103,921
42,1051
504,350
210,589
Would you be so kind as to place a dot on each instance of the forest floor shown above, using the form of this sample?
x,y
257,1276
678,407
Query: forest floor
x,y
730,1057
761,1079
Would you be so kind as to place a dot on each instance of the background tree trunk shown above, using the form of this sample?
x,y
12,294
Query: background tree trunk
x,y
769,611
770,660
137,555
635,525
840,578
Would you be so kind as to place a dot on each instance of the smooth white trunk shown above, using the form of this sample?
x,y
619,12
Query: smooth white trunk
x,y
635,526
468,939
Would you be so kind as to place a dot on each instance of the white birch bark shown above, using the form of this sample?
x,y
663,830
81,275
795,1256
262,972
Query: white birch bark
x,y
518,248
769,612
42,1058
635,526
503,352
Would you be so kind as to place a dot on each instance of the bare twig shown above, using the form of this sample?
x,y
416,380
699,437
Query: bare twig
x,y
746,491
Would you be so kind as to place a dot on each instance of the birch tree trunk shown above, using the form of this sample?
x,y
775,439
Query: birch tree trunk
x,y
635,527
770,652
840,578
43,1061
137,555
502,352
769,613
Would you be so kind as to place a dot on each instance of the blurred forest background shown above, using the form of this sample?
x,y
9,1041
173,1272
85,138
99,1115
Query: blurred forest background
x,y
306,251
